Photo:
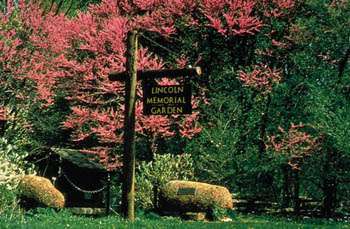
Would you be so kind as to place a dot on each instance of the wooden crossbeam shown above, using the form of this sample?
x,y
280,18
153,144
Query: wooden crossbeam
x,y
154,74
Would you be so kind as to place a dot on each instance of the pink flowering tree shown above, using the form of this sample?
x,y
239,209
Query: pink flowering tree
x,y
51,53
76,55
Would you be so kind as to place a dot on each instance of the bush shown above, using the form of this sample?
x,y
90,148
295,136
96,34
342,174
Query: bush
x,y
8,201
10,175
42,190
12,169
10,165
153,175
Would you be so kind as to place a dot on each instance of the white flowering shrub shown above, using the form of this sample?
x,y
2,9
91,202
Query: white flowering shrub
x,y
11,164
10,173
12,168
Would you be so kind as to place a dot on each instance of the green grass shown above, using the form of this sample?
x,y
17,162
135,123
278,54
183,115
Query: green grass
x,y
50,220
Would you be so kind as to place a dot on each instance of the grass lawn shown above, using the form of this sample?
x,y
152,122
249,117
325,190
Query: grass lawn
x,y
51,220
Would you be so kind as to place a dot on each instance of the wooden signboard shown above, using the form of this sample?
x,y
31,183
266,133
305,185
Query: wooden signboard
x,y
166,100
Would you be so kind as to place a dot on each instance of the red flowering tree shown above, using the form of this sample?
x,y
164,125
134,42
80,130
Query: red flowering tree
x,y
76,54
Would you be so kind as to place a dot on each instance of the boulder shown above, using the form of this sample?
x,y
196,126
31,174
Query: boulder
x,y
41,190
189,196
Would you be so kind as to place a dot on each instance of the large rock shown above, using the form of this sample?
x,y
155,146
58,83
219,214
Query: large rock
x,y
41,190
189,196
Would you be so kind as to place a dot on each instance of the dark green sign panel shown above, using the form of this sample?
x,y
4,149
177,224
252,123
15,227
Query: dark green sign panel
x,y
166,100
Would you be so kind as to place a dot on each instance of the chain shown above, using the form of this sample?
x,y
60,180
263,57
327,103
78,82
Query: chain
x,y
82,190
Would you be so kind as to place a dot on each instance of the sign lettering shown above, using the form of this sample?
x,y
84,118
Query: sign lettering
x,y
166,100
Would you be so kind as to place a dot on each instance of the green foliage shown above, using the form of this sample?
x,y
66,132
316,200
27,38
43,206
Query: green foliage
x,y
8,200
227,151
67,7
215,148
152,175
47,129
331,114
322,59
218,213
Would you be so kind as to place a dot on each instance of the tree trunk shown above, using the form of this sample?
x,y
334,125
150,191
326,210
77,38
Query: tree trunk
x,y
262,129
296,185
329,186
286,196
2,127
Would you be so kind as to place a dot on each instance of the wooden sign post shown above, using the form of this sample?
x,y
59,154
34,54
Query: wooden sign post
x,y
130,77
128,189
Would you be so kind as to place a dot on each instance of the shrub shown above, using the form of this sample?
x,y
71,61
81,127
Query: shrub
x,y
10,175
42,190
12,168
151,176
10,165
